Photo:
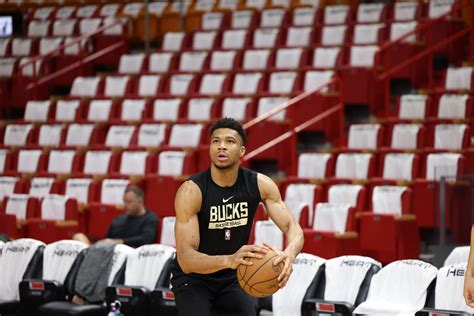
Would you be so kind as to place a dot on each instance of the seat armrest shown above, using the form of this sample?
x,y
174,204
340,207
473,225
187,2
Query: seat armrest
x,y
36,292
405,218
119,292
347,235
162,296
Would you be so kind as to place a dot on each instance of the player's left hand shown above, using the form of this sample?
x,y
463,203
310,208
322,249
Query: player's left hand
x,y
288,265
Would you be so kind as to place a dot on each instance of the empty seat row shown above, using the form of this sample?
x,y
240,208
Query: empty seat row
x,y
361,136
85,135
218,84
230,39
18,192
246,83
170,109
18,47
67,11
331,14
248,60
409,136
424,107
99,162
231,60
72,27
362,13
191,62
131,110
294,36
391,165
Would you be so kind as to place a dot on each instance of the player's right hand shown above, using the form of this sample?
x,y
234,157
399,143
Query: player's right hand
x,y
469,288
245,252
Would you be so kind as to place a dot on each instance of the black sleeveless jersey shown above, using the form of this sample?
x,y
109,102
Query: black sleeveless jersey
x,y
226,214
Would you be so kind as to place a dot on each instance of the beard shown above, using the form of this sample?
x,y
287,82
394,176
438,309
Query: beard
x,y
224,167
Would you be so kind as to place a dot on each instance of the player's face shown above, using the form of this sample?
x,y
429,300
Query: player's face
x,y
226,148
132,203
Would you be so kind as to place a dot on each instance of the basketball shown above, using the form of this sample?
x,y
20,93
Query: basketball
x,y
261,278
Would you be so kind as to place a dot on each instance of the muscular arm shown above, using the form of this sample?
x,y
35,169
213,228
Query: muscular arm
x,y
281,216
187,204
186,230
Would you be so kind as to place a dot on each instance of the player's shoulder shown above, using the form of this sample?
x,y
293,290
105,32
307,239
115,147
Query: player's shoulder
x,y
265,184
264,179
188,198
189,187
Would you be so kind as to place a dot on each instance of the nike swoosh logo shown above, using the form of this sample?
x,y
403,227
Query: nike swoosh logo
x,y
225,200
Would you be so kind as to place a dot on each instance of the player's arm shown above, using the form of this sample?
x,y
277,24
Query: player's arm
x,y
469,277
282,217
187,205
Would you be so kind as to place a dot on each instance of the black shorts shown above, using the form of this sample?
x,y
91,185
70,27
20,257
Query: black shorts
x,y
212,296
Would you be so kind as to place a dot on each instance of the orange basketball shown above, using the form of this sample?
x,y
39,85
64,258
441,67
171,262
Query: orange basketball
x,y
261,278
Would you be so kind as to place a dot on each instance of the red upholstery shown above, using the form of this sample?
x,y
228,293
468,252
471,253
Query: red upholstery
x,y
426,198
331,244
16,227
50,231
390,237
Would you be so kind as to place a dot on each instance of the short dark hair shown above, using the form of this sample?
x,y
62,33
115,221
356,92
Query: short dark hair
x,y
135,189
228,122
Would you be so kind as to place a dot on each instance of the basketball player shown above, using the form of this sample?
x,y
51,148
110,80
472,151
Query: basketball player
x,y
469,276
214,215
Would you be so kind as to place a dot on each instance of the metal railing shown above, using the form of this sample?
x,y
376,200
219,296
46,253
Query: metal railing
x,y
462,180
38,81
428,51
336,109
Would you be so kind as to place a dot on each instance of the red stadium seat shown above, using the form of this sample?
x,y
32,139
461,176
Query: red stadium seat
x,y
59,219
42,186
390,231
426,188
333,232
101,214
354,195
301,197
27,161
371,13
173,168
16,210
235,39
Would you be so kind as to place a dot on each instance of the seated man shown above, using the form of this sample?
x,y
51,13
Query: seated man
x,y
135,228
